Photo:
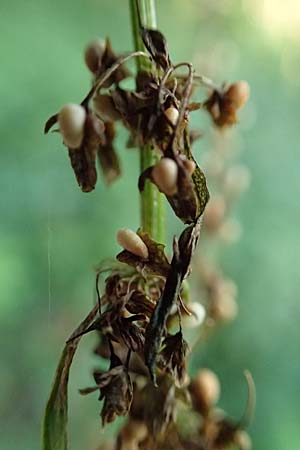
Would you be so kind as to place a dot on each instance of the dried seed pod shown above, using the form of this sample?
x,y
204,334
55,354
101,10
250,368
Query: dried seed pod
x,y
172,115
189,165
93,54
197,315
238,93
205,390
71,120
105,108
132,242
242,440
164,175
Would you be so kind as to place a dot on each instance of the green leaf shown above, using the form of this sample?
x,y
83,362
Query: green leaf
x,y
55,436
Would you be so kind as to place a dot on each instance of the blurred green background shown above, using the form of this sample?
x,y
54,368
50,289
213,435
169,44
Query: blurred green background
x,y
52,235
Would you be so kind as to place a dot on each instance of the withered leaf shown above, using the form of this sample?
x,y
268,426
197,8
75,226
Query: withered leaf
x,y
157,324
157,262
221,109
157,46
50,122
161,404
107,155
140,303
187,244
172,358
56,414
115,388
83,159
108,59
198,177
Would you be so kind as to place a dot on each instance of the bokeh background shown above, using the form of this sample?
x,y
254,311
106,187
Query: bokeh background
x,y
52,235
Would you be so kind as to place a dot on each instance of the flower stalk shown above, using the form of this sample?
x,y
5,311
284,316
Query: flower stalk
x,y
151,200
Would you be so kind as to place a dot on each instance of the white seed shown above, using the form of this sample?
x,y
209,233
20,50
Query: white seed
x,y
190,166
132,242
197,315
238,93
71,119
164,175
206,387
93,54
172,115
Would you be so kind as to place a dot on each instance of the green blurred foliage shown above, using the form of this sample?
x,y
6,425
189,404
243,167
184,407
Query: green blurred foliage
x,y
52,235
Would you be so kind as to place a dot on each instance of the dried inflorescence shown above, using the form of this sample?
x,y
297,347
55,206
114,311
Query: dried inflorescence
x,y
144,303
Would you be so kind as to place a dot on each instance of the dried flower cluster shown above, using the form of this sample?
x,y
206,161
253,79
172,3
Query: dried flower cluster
x,y
144,308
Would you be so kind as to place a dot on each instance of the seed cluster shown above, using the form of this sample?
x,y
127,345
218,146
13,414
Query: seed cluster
x,y
145,306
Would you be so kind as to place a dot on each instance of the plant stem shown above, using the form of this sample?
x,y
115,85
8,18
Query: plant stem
x,y
152,201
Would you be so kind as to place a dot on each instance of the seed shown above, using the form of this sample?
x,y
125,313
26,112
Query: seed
x,y
164,175
242,440
206,389
189,165
197,315
93,54
237,180
172,115
105,108
214,213
71,119
238,93
132,242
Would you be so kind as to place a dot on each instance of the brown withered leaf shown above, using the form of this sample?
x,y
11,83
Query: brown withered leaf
x,y
50,122
161,403
157,262
114,326
157,46
108,59
83,159
198,177
157,324
172,357
140,303
107,155
187,245
115,388
221,109
185,201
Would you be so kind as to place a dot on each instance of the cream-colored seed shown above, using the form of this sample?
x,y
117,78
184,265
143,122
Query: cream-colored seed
x,y
93,54
164,175
189,165
237,179
243,440
214,213
206,385
239,93
132,242
225,307
71,119
172,115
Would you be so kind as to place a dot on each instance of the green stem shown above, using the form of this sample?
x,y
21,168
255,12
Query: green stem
x,y
152,201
